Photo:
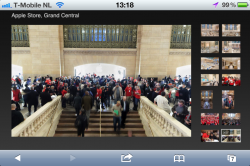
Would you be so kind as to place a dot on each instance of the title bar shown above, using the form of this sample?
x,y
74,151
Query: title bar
x,y
125,5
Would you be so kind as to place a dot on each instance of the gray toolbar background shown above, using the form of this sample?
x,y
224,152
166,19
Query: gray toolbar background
x,y
146,158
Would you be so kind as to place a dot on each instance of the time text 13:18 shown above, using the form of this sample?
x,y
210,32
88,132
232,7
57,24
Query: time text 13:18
x,y
125,5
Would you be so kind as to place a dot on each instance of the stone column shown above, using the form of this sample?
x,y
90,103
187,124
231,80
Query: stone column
x,y
45,50
138,54
61,39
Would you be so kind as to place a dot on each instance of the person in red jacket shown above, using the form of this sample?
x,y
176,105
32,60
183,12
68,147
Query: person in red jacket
x,y
225,79
217,122
64,91
16,94
231,81
238,82
98,96
205,136
128,92
98,92
48,81
137,97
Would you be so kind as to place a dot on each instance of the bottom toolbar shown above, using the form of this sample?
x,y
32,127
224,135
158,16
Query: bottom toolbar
x,y
118,157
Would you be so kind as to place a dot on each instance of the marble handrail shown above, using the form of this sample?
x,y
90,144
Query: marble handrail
x,y
225,140
160,122
42,122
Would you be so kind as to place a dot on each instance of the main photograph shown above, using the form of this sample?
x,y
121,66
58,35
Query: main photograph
x,y
101,81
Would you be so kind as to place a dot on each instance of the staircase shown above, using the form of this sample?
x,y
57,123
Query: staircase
x,y
65,127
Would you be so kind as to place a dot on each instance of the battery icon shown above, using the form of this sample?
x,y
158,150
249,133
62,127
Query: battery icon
x,y
242,4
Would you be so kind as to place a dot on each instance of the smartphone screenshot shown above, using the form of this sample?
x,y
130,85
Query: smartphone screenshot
x,y
124,82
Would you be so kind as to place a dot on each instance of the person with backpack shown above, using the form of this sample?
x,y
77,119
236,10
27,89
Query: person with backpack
x,y
87,104
81,123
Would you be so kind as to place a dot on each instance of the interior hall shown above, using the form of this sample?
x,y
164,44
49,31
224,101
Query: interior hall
x,y
142,61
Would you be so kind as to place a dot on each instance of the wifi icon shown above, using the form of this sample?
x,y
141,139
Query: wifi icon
x,y
59,4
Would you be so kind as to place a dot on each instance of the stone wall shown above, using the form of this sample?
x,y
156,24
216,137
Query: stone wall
x,y
156,59
152,57
44,56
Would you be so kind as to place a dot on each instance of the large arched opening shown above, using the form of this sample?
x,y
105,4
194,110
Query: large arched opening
x,y
100,69
16,70
183,71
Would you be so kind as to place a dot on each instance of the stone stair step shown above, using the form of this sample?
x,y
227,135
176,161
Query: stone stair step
x,y
98,115
97,130
97,120
97,125
95,112
98,135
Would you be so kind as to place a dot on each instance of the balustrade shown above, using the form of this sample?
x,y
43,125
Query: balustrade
x,y
160,123
42,123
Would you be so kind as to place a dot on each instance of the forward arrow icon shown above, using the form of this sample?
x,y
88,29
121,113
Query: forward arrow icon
x,y
72,158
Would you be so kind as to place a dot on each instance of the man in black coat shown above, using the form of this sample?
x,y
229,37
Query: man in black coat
x,y
45,97
154,94
184,94
143,89
16,117
124,85
151,83
73,90
39,87
83,123
108,89
32,98
125,106
94,91
25,92
147,90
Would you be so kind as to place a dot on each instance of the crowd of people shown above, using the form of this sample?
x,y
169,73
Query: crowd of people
x,y
84,92
229,122
210,119
231,81
231,139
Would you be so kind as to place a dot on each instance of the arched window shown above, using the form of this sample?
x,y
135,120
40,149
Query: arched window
x,y
100,36
235,26
226,27
231,26
181,37
19,36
